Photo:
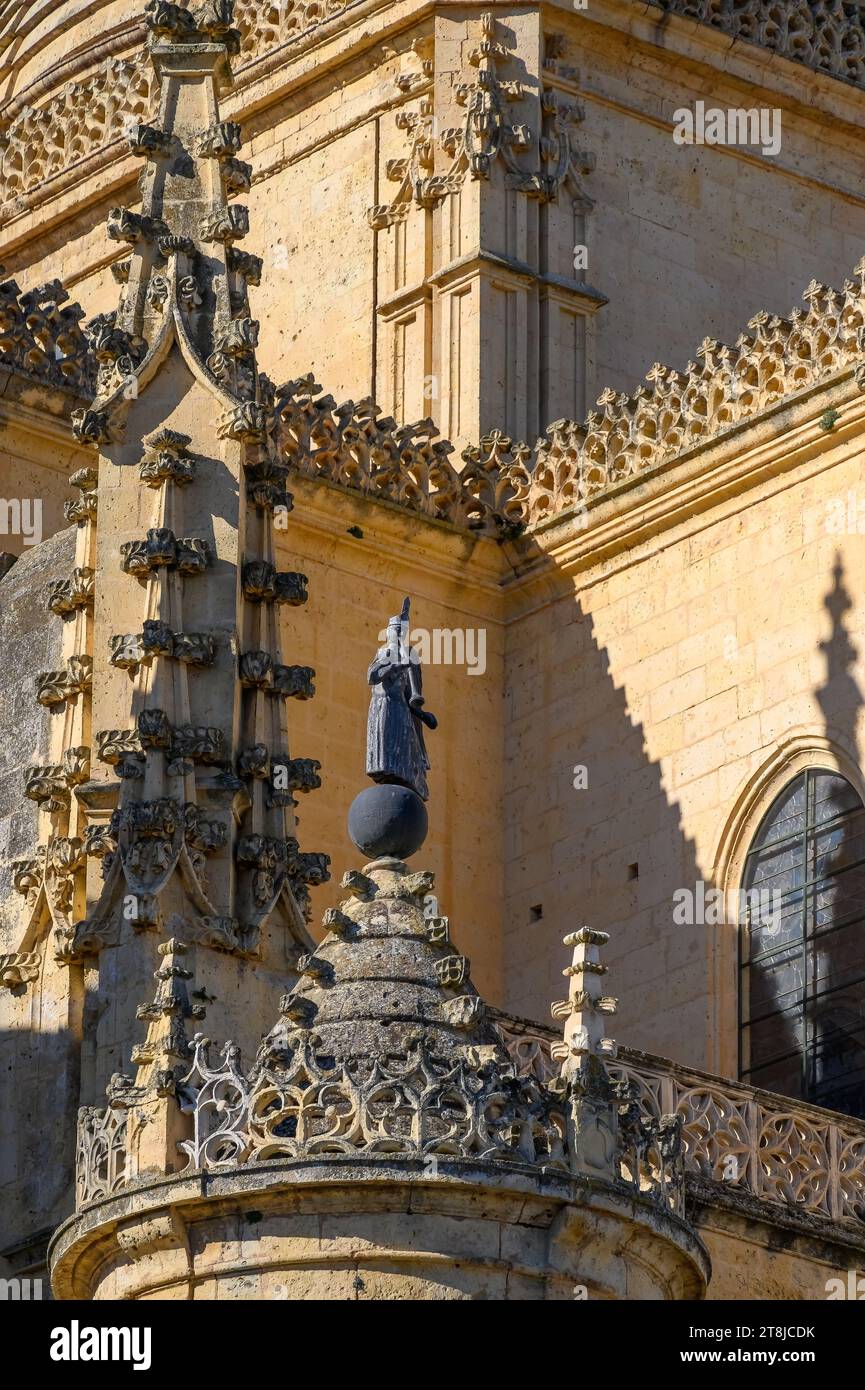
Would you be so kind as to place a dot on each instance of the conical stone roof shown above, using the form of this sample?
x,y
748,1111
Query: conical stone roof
x,y
386,974
384,1044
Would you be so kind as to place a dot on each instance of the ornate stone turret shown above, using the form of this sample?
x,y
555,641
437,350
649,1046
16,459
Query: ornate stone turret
x,y
384,1105
384,1045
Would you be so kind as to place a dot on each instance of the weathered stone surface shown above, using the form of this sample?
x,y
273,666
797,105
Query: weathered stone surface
x,y
664,626
30,642
388,1231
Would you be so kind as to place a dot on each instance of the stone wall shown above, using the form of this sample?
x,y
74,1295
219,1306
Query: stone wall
x,y
30,640
38,1053
692,663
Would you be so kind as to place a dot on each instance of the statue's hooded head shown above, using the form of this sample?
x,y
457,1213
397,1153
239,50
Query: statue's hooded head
x,y
392,643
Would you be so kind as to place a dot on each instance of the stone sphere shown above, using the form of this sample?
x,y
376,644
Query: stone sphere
x,y
387,819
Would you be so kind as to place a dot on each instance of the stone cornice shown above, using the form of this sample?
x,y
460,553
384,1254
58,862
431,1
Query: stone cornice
x,y
722,475
662,24
403,539
490,263
126,38
89,1239
33,419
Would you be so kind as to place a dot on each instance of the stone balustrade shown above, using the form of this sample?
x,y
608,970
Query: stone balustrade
x,y
826,35
779,1150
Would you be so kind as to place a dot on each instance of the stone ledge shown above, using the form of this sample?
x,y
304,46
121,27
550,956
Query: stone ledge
x,y
190,1217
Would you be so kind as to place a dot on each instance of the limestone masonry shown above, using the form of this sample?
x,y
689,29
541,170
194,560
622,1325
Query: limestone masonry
x,y
304,308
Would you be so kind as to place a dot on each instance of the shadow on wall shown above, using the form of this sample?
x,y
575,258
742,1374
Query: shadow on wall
x,y
837,965
38,1058
803,969
598,840
612,852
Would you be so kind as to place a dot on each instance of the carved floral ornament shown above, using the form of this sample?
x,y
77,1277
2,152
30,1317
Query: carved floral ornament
x,y
487,135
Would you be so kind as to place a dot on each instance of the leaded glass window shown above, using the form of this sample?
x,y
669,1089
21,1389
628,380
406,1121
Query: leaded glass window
x,y
802,946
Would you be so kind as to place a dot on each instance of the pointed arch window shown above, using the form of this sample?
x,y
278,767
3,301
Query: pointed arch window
x,y
802,946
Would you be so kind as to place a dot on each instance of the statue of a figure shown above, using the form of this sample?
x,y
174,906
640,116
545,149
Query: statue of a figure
x,y
395,748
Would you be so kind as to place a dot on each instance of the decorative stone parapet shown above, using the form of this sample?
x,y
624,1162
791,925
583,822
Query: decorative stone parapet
x,y
779,1150
506,486
354,446
41,337
383,1093
94,110
307,1107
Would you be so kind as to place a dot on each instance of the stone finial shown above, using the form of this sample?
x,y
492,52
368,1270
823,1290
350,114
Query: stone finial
x,y
586,1006
165,1051
182,277
584,1084
156,1120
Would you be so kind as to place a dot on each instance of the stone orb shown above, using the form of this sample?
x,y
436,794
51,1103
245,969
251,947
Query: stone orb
x,y
387,819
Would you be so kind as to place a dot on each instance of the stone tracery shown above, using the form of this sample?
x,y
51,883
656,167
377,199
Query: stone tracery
x,y
771,1148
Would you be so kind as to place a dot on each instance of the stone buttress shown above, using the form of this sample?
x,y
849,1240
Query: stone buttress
x,y
167,805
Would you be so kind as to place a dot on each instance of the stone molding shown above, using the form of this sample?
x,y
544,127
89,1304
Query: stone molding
x,y
456,1229
55,127
506,486
42,138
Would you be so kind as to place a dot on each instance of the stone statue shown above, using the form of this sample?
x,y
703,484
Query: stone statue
x,y
395,747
